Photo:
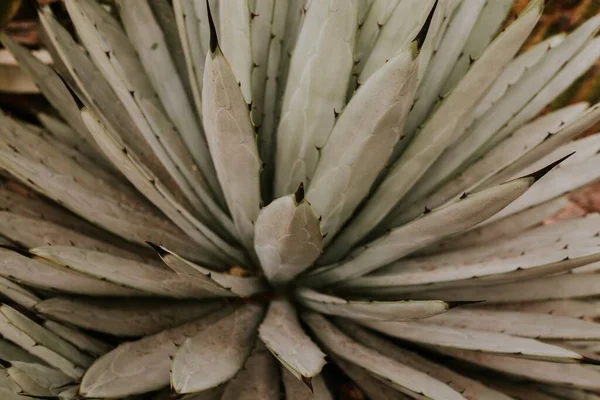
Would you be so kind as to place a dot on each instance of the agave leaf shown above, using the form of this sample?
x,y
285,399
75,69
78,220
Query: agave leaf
x,y
258,379
431,227
10,352
260,35
116,58
578,376
142,366
308,115
293,25
33,232
37,379
444,337
273,85
82,341
149,42
533,82
82,143
396,25
69,394
371,310
470,388
376,16
231,141
221,284
568,393
440,67
372,387
213,246
287,238
523,140
158,281
514,71
489,22
564,180
537,326
237,44
362,140
440,129
18,294
296,390
284,337
216,354
584,310
546,288
401,278
38,273
405,379
42,343
49,82
133,318
519,391
502,228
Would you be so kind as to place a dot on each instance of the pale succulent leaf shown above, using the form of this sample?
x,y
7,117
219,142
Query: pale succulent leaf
x,y
431,227
523,324
439,130
79,339
401,278
547,288
18,294
287,237
11,352
297,390
41,274
148,39
152,279
396,25
260,35
403,378
501,119
144,180
142,366
307,115
431,87
362,141
578,376
38,380
470,388
473,340
134,318
222,284
237,43
580,309
216,354
258,379
232,143
372,387
370,310
284,337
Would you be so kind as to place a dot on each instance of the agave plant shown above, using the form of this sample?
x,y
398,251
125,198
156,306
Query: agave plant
x,y
233,193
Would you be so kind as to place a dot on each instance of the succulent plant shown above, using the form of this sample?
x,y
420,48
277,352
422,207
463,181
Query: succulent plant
x,y
232,194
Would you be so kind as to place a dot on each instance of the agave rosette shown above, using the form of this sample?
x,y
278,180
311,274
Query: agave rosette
x,y
226,204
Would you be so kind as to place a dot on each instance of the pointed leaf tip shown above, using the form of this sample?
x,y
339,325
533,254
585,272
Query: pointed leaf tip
x,y
299,195
214,40
161,252
306,379
540,173
454,304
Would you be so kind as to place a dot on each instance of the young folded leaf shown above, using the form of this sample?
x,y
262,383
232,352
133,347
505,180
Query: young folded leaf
x,y
282,334
142,366
134,318
79,339
231,140
362,141
287,237
405,379
201,364
371,310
